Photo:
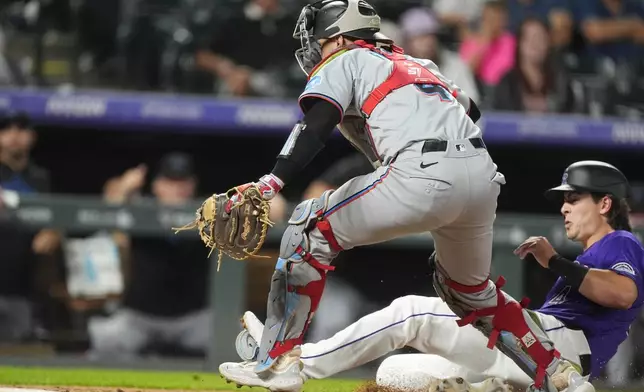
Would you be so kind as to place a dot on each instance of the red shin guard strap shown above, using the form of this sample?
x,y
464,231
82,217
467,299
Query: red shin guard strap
x,y
508,316
461,288
325,228
285,346
306,256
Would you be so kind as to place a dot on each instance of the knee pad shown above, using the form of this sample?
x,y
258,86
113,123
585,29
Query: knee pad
x,y
460,304
308,215
297,284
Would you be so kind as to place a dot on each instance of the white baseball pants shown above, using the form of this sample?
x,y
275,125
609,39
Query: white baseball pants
x,y
428,325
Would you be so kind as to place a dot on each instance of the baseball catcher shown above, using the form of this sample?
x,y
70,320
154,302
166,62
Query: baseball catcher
x,y
432,173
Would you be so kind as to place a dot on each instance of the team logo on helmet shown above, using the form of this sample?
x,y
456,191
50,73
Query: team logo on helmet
x,y
564,179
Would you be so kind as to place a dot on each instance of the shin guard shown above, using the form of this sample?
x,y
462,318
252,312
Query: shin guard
x,y
297,284
504,321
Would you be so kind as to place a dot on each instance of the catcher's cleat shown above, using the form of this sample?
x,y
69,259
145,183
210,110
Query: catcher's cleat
x,y
458,384
246,344
284,376
567,379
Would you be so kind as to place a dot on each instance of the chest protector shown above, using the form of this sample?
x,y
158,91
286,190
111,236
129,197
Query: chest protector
x,y
354,126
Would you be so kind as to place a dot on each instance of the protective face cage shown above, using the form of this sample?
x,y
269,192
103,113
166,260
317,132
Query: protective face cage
x,y
310,52
329,18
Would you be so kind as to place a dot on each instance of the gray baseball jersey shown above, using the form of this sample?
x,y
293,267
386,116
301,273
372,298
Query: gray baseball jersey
x,y
405,116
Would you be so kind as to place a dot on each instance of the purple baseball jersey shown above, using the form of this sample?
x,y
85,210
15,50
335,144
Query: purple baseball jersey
x,y
605,328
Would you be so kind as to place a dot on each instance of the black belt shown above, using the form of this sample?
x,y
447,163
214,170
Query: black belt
x,y
586,364
432,145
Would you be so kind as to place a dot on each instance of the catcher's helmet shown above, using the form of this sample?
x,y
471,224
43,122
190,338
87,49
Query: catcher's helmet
x,y
594,177
330,18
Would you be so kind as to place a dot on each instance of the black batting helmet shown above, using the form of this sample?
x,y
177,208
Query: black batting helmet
x,y
356,19
593,177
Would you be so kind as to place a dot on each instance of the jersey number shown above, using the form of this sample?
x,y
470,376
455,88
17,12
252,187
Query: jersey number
x,y
561,297
436,89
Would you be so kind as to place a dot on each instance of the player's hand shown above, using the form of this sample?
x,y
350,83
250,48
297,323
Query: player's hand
x,y
269,185
539,247
134,179
46,242
638,30
279,206
239,81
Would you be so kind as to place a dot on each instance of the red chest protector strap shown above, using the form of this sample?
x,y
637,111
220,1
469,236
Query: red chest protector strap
x,y
404,72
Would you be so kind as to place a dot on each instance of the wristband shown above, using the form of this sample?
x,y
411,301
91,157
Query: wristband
x,y
574,273
273,181
270,186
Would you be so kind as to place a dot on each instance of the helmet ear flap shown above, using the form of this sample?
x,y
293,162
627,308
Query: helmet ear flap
x,y
309,14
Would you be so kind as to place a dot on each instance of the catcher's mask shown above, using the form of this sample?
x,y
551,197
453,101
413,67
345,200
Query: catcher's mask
x,y
325,19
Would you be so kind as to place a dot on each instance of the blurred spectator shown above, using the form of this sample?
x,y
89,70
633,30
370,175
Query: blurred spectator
x,y
10,72
279,208
489,52
536,84
164,305
391,30
251,53
637,204
612,28
97,26
420,27
17,283
556,13
20,280
460,15
18,173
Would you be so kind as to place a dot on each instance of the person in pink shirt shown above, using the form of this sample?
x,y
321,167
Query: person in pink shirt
x,y
490,51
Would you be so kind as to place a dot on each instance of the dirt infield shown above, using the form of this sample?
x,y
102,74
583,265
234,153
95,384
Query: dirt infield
x,y
371,386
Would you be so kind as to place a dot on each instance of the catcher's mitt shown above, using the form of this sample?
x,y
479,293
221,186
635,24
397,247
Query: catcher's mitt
x,y
239,233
